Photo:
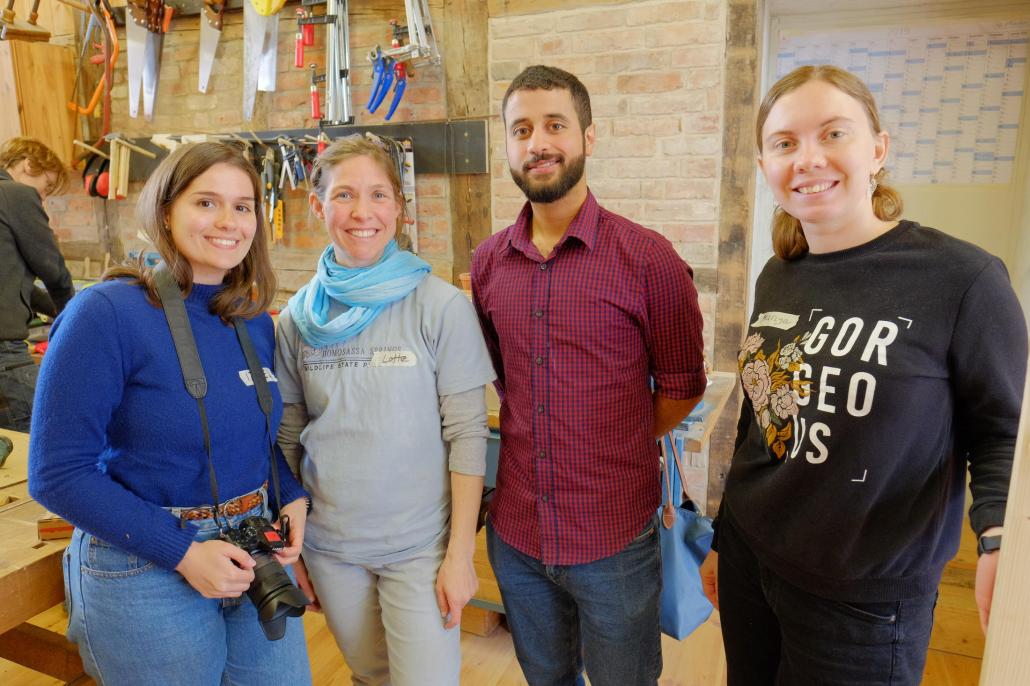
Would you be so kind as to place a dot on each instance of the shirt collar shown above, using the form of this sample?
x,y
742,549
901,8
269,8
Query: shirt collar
x,y
583,227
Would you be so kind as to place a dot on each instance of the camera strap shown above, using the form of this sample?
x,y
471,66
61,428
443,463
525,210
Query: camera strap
x,y
196,382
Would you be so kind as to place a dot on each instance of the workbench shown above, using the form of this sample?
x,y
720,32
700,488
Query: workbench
x,y
31,579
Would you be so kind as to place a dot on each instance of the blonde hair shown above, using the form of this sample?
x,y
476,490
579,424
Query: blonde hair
x,y
40,159
788,237
248,288
349,147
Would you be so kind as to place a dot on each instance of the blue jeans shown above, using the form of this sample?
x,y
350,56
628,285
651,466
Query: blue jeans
x,y
17,384
776,633
602,614
140,624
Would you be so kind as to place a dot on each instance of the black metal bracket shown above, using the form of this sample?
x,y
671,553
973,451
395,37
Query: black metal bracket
x,y
440,147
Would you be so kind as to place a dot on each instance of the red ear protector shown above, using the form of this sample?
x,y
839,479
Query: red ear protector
x,y
95,177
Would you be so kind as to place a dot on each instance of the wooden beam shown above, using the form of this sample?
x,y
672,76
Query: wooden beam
x,y
741,77
468,96
42,650
31,579
1006,659
504,8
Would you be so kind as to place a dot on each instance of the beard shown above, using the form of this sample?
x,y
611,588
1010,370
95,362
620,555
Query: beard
x,y
547,192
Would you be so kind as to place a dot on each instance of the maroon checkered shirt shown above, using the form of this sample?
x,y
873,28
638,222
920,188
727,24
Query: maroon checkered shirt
x,y
575,340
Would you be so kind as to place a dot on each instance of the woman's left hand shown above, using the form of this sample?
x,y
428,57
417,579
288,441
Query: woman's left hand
x,y
298,513
986,571
456,583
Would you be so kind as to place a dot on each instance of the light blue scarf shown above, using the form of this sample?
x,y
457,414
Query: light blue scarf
x,y
365,290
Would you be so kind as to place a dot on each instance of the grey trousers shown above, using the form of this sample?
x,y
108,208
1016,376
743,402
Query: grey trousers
x,y
385,618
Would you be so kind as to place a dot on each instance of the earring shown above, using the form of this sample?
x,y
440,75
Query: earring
x,y
873,183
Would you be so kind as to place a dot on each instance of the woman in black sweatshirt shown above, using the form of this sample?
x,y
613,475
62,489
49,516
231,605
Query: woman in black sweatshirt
x,y
882,359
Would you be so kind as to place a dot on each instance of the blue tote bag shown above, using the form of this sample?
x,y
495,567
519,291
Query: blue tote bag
x,y
686,538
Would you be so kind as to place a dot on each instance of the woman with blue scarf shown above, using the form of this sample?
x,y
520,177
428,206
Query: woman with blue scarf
x,y
382,368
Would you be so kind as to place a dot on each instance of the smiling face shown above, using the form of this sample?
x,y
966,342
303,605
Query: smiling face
x,y
360,210
213,222
546,147
818,153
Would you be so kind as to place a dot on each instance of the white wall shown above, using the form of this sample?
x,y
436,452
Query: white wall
x,y
994,216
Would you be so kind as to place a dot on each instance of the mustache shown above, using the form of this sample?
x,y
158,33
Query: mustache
x,y
537,159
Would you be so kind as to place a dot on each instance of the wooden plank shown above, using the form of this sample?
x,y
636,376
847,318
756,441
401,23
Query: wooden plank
x,y
476,620
1006,659
31,580
706,417
468,96
42,650
10,122
16,468
504,8
42,110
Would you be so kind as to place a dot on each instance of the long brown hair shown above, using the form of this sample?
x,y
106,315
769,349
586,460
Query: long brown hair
x,y
248,288
788,237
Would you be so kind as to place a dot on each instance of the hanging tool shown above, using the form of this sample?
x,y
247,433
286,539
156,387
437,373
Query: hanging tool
x,y
210,31
260,41
12,29
400,83
421,45
338,107
146,23
316,108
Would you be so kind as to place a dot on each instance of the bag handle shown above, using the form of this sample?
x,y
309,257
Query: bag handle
x,y
668,508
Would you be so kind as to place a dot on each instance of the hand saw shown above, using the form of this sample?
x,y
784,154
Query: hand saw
x,y
210,31
260,43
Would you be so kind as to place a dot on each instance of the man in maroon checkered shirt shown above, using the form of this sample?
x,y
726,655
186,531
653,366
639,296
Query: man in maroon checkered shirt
x,y
582,310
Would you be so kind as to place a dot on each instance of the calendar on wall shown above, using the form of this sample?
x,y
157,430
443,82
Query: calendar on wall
x,y
951,96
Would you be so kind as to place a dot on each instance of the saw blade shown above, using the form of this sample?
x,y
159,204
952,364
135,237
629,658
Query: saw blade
x,y
209,36
151,72
136,39
253,43
269,48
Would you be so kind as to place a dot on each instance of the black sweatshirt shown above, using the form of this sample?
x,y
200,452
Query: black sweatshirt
x,y
27,250
872,377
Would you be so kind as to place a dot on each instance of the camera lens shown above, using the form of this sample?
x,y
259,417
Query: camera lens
x,y
274,595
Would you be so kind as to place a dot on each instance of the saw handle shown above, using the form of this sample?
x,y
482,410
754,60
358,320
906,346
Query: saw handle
x,y
316,109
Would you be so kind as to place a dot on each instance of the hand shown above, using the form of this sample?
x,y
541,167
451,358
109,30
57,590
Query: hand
x,y
986,571
456,583
710,578
300,570
298,513
217,569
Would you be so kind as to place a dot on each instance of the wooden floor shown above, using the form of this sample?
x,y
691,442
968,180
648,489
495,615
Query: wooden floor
x,y
954,658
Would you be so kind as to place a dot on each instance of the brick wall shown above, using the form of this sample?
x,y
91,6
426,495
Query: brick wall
x,y
180,108
655,72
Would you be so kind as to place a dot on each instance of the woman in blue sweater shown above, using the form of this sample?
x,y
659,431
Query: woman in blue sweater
x,y
154,595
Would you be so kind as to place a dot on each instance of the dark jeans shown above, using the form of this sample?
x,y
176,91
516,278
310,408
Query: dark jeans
x,y
17,384
603,614
776,633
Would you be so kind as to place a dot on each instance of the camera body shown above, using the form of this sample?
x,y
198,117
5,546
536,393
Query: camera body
x,y
272,591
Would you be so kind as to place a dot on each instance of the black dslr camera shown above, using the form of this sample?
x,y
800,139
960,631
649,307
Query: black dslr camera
x,y
272,591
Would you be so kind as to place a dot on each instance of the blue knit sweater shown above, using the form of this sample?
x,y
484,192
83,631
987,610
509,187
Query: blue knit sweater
x,y
115,435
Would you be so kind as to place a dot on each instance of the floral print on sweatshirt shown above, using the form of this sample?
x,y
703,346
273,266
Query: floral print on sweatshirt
x,y
773,386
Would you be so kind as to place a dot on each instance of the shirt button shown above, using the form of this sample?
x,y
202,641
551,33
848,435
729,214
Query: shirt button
x,y
539,359
544,498
540,409
538,314
542,454
543,266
